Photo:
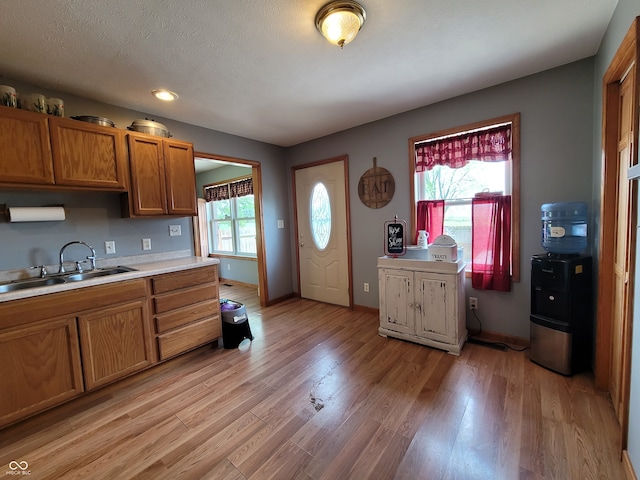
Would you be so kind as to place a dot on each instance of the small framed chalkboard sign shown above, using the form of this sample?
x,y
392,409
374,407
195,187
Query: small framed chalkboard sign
x,y
395,237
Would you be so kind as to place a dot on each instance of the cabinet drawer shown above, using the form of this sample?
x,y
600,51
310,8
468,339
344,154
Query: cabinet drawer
x,y
189,337
183,298
183,316
184,279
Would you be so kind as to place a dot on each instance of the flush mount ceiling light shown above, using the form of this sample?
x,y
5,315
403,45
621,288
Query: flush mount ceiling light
x,y
340,21
163,94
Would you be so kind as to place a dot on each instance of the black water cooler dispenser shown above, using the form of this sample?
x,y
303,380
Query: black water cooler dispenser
x,y
561,312
561,304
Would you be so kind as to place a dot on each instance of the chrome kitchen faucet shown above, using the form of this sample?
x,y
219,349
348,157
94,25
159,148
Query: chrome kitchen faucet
x,y
91,258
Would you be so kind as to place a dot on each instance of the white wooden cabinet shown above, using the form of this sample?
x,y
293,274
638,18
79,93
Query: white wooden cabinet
x,y
423,302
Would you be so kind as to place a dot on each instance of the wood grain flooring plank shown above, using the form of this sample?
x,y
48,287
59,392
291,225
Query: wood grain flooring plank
x,y
380,458
256,451
430,448
475,451
206,454
127,458
224,470
288,463
336,458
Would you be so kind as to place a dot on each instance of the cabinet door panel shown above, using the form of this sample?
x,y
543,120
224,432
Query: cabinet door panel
x,y
435,295
88,155
148,187
41,367
25,149
396,300
180,177
115,342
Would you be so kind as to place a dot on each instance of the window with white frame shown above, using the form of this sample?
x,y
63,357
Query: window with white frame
x,y
457,186
458,182
231,218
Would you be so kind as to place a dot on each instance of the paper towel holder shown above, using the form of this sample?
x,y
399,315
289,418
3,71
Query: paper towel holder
x,y
5,211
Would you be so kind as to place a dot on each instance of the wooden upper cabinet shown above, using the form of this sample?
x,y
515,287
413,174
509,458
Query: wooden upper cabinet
x,y
25,151
88,155
180,178
148,194
162,177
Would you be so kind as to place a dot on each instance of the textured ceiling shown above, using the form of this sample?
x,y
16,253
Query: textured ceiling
x,y
261,70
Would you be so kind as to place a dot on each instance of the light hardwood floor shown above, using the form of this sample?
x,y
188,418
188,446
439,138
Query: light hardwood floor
x,y
319,395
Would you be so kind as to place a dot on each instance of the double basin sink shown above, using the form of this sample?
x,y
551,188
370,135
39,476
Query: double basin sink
x,y
59,278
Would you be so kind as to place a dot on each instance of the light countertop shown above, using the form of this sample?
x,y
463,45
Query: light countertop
x,y
144,269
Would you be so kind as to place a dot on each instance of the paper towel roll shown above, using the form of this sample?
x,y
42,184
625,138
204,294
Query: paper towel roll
x,y
36,214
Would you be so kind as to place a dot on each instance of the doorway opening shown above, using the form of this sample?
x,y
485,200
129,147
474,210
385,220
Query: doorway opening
x,y
206,165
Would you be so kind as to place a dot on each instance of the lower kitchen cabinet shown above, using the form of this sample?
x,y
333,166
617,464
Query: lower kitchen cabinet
x,y
186,310
115,342
40,367
100,334
423,302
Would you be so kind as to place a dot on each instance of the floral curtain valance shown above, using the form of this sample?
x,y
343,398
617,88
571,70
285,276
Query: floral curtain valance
x,y
490,145
224,191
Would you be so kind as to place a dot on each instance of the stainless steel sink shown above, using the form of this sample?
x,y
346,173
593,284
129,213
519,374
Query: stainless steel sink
x,y
37,282
61,278
76,277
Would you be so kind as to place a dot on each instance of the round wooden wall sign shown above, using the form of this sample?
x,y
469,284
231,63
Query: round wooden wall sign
x,y
376,186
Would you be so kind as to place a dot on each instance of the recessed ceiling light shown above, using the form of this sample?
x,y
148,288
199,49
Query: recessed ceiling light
x,y
164,94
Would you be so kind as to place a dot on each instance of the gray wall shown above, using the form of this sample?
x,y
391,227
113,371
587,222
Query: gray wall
x,y
95,217
556,109
625,12
245,271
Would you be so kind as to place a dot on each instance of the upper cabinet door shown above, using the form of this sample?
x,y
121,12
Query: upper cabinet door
x,y
147,194
88,155
180,178
25,151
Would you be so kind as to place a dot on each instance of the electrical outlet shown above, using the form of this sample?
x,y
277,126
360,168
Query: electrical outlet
x,y
175,230
146,244
228,266
473,303
280,223
110,247
366,287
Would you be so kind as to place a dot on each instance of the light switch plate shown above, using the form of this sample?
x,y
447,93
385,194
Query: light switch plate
x,y
146,244
280,223
175,230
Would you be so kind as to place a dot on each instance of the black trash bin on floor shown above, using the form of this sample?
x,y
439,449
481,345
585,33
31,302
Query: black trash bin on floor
x,y
235,323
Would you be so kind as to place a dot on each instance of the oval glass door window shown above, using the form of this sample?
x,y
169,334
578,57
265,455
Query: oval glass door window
x,y
320,216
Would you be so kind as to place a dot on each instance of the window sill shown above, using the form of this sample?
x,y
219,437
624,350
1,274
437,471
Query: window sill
x,y
235,257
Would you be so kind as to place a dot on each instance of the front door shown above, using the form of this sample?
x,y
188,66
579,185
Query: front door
x,y
321,212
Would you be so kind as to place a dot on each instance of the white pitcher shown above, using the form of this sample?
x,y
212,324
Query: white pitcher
x,y
423,236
